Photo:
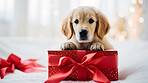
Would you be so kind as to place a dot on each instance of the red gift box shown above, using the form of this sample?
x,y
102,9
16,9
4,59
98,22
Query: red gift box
x,y
82,65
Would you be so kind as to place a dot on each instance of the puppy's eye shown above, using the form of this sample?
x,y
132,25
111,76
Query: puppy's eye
x,y
76,21
90,20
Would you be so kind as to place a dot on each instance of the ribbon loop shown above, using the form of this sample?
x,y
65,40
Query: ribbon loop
x,y
87,58
64,61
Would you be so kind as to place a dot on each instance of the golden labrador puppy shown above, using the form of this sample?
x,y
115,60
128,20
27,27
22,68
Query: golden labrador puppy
x,y
85,29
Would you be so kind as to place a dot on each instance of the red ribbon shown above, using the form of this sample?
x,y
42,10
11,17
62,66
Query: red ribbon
x,y
88,62
14,62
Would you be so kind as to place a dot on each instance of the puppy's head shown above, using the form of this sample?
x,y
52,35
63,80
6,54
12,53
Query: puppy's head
x,y
83,23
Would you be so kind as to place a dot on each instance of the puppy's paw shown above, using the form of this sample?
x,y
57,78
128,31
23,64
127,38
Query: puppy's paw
x,y
68,46
97,47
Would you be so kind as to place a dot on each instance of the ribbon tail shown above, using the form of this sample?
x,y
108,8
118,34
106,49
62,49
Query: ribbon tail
x,y
31,63
30,70
3,72
61,75
97,75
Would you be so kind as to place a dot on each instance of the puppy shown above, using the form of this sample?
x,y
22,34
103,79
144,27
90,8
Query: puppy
x,y
85,28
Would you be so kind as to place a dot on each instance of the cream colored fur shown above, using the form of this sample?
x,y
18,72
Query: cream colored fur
x,y
96,30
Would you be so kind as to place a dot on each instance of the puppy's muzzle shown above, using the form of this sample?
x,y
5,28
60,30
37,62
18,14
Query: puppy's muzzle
x,y
83,34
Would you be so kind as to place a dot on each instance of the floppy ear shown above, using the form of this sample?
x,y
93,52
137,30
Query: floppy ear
x,y
103,26
67,29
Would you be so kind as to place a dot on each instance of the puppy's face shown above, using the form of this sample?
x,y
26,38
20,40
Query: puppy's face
x,y
84,24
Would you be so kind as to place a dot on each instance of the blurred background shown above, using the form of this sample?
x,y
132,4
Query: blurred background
x,y
42,18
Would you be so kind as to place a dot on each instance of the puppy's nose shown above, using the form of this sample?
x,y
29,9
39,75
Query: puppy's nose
x,y
83,33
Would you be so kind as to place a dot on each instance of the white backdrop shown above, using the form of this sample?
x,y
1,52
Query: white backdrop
x,y
42,18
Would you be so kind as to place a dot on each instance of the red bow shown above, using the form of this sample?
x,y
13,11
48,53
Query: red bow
x,y
14,62
88,62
